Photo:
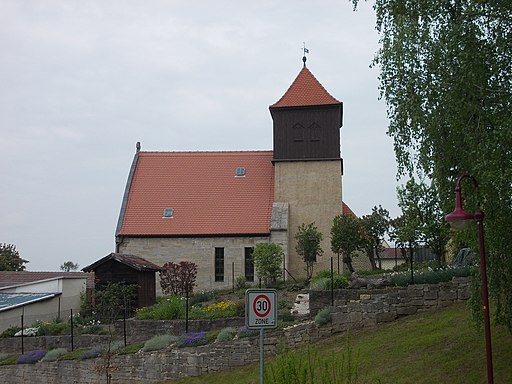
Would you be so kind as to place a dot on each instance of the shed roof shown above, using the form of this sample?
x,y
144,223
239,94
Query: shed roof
x,y
134,262
205,193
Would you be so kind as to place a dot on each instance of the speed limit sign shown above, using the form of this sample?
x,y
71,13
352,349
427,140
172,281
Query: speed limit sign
x,y
261,308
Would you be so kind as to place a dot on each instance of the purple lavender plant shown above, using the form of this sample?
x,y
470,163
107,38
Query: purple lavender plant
x,y
193,339
31,357
91,353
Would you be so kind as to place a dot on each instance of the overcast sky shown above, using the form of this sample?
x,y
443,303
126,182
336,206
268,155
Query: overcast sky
x,y
82,81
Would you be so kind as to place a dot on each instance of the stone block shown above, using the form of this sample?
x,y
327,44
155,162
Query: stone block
x,y
406,310
385,317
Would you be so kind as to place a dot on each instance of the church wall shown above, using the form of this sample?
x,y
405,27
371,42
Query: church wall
x,y
313,191
201,251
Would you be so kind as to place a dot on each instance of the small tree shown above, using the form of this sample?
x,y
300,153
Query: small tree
x,y
69,266
346,238
375,227
178,279
268,261
113,299
308,246
10,259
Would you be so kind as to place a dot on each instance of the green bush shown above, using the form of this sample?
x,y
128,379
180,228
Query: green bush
x,y
116,346
131,348
226,334
240,283
11,331
308,367
54,354
52,329
168,308
157,343
323,317
324,283
9,360
202,297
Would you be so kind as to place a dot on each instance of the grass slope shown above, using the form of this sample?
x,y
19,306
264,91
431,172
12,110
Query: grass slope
x,y
434,347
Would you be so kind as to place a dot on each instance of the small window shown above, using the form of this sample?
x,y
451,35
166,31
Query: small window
x,y
240,171
168,213
219,264
249,263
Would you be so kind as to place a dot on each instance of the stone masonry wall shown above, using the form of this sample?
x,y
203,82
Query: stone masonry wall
x,y
353,309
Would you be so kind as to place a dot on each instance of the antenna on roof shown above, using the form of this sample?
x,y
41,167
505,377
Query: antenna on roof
x,y
305,50
137,146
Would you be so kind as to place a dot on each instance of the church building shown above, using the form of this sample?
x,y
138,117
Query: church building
x,y
212,208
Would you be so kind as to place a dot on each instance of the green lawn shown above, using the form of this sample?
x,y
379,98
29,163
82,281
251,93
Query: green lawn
x,y
434,347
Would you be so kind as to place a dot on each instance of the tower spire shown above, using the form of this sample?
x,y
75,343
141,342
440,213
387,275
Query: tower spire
x,y
304,50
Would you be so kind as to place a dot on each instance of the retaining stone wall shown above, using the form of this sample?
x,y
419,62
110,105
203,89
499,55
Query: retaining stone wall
x,y
356,309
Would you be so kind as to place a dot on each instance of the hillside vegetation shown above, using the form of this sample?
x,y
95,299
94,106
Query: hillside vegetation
x,y
434,347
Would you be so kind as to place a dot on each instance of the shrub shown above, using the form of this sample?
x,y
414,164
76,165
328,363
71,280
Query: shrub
x,y
240,283
323,317
429,276
324,283
31,357
202,297
226,334
9,360
54,354
246,332
73,355
168,308
10,332
91,353
52,329
193,339
157,343
308,367
178,279
116,346
3,356
131,348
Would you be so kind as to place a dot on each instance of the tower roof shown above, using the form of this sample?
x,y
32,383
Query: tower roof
x,y
305,90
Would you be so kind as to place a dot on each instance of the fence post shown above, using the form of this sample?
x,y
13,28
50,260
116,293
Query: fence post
x,y
72,333
124,325
22,335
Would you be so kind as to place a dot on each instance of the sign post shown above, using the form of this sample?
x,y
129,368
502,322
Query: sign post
x,y
261,313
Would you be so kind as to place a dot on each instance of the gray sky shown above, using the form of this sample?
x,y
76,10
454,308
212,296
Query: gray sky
x,y
82,81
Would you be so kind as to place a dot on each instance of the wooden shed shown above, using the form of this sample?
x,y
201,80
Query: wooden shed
x,y
129,269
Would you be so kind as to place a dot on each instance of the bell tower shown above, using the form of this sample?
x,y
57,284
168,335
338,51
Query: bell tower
x,y
308,164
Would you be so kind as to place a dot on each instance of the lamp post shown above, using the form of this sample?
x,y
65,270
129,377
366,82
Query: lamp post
x,y
458,215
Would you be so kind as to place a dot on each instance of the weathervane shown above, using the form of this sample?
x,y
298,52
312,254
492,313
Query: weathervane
x,y
305,50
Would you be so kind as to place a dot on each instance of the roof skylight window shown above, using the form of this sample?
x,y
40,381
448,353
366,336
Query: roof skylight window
x,y
240,172
168,213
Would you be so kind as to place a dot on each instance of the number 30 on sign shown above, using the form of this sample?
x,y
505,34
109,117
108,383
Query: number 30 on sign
x,y
261,308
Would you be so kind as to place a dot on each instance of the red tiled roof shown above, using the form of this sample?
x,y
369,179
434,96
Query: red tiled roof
x,y
347,211
305,90
8,278
204,192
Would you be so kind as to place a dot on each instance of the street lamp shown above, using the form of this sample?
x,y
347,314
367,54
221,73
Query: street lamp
x,y
460,215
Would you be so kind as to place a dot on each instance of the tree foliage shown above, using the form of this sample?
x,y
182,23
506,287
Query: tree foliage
x,y
10,259
308,246
347,238
268,261
178,279
375,228
69,266
446,76
113,299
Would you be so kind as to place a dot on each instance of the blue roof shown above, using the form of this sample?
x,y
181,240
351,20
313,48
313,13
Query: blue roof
x,y
13,300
